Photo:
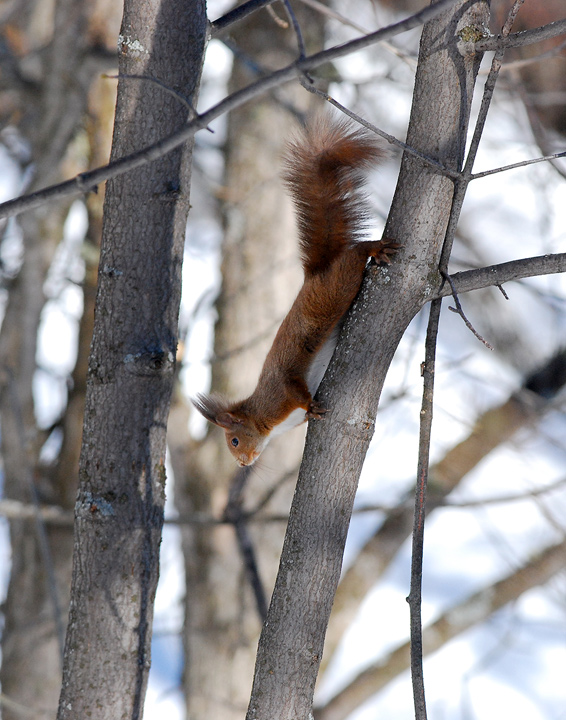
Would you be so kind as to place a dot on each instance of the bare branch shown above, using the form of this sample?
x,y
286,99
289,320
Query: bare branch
x,y
513,65
480,502
415,593
179,96
540,133
491,429
331,13
234,515
511,17
16,510
460,311
520,39
56,515
461,185
386,136
237,14
87,182
469,280
296,28
523,163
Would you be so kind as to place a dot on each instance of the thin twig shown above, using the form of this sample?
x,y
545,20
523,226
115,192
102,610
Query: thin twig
x,y
175,93
460,311
511,17
479,502
237,14
334,15
415,593
296,28
264,500
390,138
276,19
461,184
523,163
251,343
487,97
259,71
502,291
540,133
52,514
512,65
250,563
233,513
87,182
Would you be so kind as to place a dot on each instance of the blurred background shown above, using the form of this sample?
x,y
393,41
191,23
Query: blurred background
x,y
495,548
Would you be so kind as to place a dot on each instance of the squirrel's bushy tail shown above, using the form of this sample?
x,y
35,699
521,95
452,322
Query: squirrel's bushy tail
x,y
325,171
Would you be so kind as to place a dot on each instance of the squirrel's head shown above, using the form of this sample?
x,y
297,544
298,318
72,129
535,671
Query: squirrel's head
x,y
244,441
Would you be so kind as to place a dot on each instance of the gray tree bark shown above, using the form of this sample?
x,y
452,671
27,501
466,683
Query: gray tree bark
x,y
292,639
491,430
119,510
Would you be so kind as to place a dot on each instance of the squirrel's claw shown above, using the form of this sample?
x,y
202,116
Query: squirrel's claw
x,y
315,411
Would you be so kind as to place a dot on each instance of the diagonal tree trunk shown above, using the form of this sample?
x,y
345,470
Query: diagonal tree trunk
x,y
292,639
491,430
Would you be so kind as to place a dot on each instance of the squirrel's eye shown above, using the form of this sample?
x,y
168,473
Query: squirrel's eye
x,y
235,442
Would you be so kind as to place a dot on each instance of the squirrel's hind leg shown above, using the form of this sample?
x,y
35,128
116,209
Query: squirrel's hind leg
x,y
316,411
380,250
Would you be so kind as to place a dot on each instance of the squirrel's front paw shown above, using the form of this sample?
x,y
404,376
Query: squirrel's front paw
x,y
315,411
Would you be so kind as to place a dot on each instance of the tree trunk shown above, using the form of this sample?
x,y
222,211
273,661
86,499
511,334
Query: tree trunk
x,y
119,510
491,430
292,640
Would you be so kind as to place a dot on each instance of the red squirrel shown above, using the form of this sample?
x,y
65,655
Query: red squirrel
x,y
324,173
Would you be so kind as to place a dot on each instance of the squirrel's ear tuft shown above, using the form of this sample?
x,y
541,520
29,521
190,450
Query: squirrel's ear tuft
x,y
211,406
215,409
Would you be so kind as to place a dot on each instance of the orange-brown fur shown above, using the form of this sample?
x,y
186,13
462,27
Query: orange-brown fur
x,y
324,173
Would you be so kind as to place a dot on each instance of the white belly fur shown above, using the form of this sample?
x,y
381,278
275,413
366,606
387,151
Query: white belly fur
x,y
314,378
